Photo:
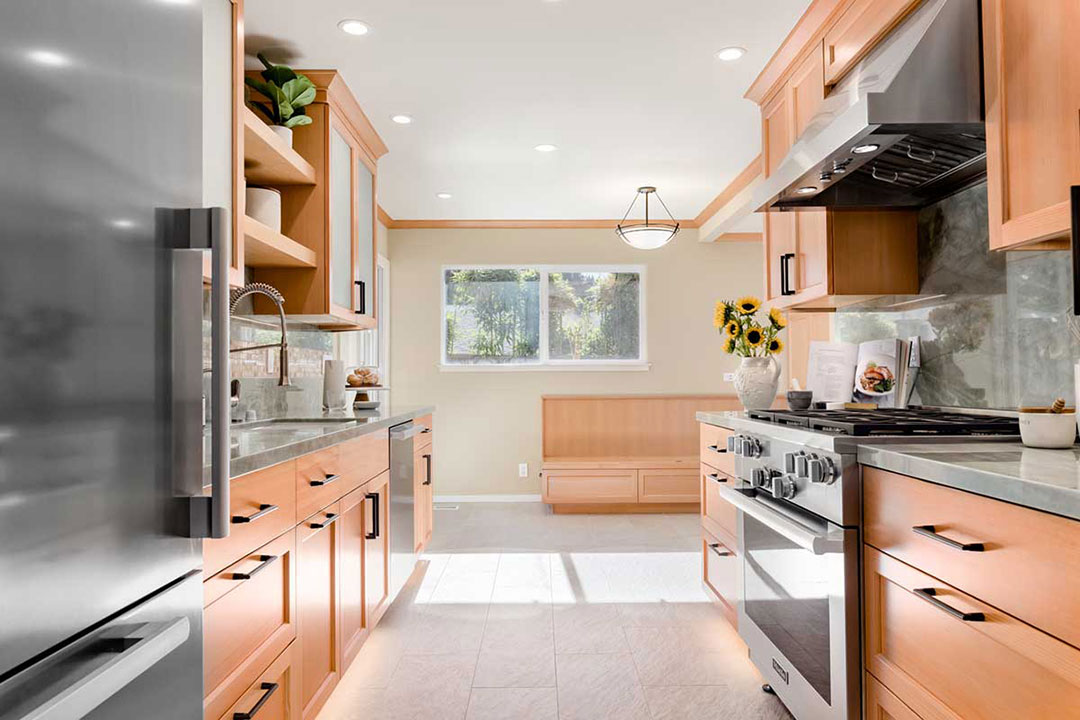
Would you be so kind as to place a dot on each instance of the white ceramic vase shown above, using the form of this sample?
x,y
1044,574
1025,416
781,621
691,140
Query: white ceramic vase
x,y
264,205
283,132
756,382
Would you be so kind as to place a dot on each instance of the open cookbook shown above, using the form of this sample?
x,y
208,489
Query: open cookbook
x,y
881,372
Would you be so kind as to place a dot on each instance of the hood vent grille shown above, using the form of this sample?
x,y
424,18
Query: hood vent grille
x,y
916,162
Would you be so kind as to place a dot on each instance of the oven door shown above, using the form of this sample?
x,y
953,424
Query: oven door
x,y
799,605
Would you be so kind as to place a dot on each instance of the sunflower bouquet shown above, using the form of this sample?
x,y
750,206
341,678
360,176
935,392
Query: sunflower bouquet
x,y
744,334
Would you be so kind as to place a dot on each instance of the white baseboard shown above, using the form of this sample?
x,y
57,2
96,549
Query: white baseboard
x,y
486,498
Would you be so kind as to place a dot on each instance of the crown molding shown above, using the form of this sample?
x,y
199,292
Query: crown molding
x,y
736,186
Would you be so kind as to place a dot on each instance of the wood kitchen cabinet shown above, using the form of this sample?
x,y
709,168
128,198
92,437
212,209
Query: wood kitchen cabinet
x,y
275,695
1032,91
353,620
423,469
858,29
318,548
335,218
377,548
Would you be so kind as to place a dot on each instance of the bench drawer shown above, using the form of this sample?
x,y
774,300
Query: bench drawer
x,y
1029,564
947,655
590,486
714,450
717,515
672,485
262,505
720,571
248,621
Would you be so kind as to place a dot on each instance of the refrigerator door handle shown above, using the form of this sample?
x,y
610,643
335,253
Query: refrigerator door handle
x,y
193,231
134,654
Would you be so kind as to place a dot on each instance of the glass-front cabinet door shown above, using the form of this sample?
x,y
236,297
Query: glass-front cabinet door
x,y
342,223
365,241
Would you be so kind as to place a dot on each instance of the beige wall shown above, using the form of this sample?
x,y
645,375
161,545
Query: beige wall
x,y
488,422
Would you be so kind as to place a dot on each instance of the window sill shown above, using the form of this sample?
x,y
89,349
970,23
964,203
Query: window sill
x,y
551,367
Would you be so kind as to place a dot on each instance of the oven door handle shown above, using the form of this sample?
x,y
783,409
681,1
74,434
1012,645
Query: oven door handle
x,y
804,537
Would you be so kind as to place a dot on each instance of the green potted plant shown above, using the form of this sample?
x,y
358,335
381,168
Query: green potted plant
x,y
287,92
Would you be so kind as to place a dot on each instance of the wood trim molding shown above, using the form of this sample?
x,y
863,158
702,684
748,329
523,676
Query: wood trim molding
x,y
506,224
384,218
810,28
330,82
736,186
740,237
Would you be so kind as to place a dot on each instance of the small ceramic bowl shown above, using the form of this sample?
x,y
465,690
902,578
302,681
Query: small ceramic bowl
x,y
1041,428
799,399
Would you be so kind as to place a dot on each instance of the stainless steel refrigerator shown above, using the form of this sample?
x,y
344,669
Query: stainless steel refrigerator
x,y
101,359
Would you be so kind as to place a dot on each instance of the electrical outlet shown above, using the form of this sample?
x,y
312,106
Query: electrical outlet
x,y
729,377
523,470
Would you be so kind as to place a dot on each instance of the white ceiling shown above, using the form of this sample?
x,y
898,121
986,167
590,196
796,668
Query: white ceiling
x,y
627,89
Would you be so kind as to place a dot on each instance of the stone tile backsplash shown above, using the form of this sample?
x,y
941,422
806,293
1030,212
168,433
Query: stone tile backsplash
x,y
996,328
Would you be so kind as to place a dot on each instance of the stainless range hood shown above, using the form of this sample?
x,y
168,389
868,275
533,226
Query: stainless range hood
x,y
905,126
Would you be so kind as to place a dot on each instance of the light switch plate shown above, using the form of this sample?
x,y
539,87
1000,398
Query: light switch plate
x,y
729,377
523,470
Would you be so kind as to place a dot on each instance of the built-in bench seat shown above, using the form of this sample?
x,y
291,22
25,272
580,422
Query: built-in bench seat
x,y
624,453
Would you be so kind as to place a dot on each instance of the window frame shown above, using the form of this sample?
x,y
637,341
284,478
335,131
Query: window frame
x,y
545,362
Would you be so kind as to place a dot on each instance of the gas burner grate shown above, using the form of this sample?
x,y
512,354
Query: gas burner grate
x,y
887,421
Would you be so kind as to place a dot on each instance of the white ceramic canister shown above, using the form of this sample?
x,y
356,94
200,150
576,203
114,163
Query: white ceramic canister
x,y
264,205
283,132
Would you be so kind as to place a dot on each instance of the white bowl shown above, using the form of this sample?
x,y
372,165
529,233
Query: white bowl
x,y
1048,430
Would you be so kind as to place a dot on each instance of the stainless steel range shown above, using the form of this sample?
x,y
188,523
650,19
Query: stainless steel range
x,y
798,496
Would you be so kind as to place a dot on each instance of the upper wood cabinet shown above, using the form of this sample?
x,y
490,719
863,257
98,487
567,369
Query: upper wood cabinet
x,y
335,218
1032,88
822,259
858,29
777,131
807,91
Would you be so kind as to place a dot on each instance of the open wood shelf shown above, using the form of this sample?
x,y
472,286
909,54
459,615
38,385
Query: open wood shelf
x,y
268,160
264,247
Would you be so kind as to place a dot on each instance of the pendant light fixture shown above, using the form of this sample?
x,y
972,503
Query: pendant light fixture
x,y
650,234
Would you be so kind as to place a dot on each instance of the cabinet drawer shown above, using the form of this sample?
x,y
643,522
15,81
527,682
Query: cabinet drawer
x,y
262,506
590,486
427,436
673,485
857,31
881,704
720,571
714,450
947,655
1029,565
365,457
717,515
320,480
273,695
248,621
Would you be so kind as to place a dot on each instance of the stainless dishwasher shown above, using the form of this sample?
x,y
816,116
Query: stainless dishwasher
x,y
402,504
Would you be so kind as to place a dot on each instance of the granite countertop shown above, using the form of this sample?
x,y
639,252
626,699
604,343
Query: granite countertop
x,y
270,441
1047,480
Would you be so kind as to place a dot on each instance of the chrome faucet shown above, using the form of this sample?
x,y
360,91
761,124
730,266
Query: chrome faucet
x,y
271,292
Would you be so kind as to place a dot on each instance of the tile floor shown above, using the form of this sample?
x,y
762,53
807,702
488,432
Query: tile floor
x,y
519,614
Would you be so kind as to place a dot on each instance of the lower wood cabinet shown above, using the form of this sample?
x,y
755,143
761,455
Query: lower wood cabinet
x,y
883,705
945,654
352,531
318,541
377,548
717,516
275,694
423,496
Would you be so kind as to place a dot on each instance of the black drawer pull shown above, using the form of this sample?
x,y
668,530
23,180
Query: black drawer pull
x,y
716,477
427,459
374,516
716,548
268,690
267,561
329,479
929,531
717,449
930,596
264,510
425,431
330,518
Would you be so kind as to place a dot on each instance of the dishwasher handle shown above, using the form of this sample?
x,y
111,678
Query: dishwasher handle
x,y
407,431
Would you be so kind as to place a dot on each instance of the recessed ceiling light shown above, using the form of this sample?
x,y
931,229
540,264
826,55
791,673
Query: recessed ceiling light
x,y
402,119
545,148
863,149
48,58
354,27
122,223
730,53
806,190
443,196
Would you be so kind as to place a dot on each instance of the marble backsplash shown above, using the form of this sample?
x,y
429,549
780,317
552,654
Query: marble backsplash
x,y
997,328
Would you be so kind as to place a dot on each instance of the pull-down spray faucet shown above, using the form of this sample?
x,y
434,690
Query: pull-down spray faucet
x,y
271,292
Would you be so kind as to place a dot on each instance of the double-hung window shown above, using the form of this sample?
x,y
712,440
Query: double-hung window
x,y
529,316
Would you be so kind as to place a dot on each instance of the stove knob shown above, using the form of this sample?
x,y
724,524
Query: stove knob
x,y
822,470
758,477
783,487
731,443
751,447
789,462
802,466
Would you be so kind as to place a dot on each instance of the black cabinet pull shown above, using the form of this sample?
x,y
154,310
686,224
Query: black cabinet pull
x,y
267,561
362,305
264,510
1074,203
716,548
374,516
785,279
330,518
268,689
930,596
929,531
716,448
425,431
427,459
717,478
329,479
